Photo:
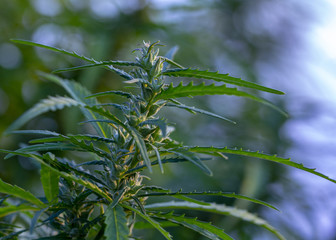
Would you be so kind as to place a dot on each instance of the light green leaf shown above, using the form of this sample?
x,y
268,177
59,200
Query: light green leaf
x,y
203,228
191,157
46,105
16,191
194,109
273,158
98,64
219,209
191,90
4,211
49,180
157,122
195,73
116,224
72,177
154,223
73,54
142,147
120,93
79,93
208,193
45,147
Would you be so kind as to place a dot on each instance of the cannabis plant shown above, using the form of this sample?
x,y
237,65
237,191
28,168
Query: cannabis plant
x,y
101,194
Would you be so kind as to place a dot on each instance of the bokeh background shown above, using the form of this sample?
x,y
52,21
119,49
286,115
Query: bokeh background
x,y
287,45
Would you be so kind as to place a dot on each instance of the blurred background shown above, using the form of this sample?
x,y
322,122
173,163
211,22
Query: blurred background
x,y
288,45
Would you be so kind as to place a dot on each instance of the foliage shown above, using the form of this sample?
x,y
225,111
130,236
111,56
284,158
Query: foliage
x,y
102,194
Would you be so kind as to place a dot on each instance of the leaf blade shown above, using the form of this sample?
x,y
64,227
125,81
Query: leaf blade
x,y
116,224
273,158
20,193
203,228
187,72
219,209
49,180
150,220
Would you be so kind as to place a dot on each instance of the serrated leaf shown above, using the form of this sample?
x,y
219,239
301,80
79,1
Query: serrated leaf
x,y
163,161
157,122
171,62
73,54
191,90
107,115
195,73
204,228
98,64
45,147
4,211
46,105
120,93
208,193
194,109
71,177
219,209
116,224
49,180
273,158
154,223
16,191
192,158
142,147
60,137
79,93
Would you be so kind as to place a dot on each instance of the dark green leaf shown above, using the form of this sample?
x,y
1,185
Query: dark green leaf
x,y
191,90
46,105
195,73
194,109
219,209
116,224
98,64
273,158
150,220
203,228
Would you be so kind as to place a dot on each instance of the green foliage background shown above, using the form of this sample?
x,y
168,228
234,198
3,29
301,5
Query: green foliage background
x,y
221,35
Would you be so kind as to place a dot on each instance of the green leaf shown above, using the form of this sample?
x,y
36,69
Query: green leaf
x,y
60,137
46,105
163,161
72,177
171,62
73,54
45,147
116,224
49,180
4,211
120,93
98,64
142,147
219,209
192,158
107,115
79,93
209,193
273,158
157,122
204,228
194,109
195,73
154,223
191,90
16,191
